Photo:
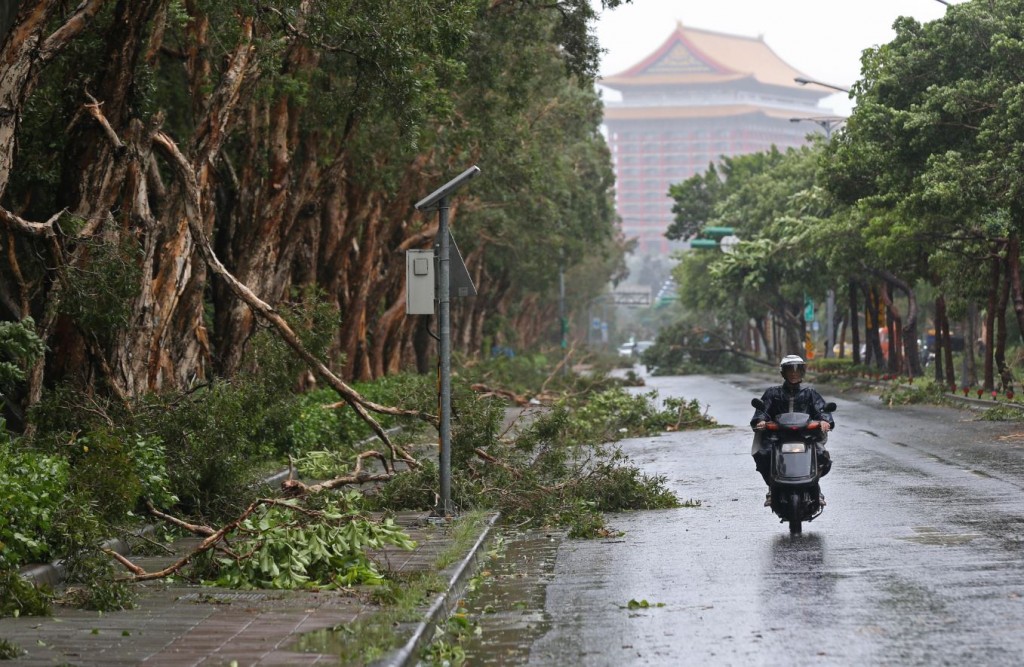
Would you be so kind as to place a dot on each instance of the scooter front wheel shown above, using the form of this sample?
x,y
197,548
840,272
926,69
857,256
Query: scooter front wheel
x,y
795,527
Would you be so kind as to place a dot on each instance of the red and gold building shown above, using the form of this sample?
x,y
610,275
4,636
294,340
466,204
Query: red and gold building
x,y
697,97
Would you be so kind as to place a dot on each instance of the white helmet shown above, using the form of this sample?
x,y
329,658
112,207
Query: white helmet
x,y
793,361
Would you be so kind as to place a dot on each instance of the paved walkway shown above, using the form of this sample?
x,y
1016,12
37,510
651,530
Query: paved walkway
x,y
175,624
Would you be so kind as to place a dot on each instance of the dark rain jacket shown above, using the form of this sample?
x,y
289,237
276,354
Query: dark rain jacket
x,y
783,398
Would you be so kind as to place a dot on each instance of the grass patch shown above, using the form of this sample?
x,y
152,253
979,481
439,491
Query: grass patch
x,y
464,531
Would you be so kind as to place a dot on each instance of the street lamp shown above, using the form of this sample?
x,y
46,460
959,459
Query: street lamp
x,y
827,123
803,81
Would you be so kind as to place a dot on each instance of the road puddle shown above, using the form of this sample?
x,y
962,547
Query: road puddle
x,y
934,537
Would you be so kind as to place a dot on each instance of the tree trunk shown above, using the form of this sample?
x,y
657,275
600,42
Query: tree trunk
x,y
947,348
941,343
1005,374
970,343
873,303
8,10
108,168
854,323
24,51
1013,269
990,319
911,359
272,209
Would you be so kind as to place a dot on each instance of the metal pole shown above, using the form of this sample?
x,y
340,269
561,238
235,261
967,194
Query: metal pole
x,y
830,314
561,318
445,351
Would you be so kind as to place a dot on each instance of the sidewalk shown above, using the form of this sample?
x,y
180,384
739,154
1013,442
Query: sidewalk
x,y
176,624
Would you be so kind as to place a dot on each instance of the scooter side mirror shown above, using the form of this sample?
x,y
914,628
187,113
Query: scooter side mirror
x,y
757,403
830,407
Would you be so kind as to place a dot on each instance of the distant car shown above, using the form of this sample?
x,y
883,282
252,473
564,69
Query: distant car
x,y
626,349
642,346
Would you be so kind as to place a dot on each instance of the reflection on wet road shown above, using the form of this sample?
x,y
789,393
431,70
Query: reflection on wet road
x,y
917,559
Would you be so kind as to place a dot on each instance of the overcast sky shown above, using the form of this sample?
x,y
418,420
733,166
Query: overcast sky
x,y
822,38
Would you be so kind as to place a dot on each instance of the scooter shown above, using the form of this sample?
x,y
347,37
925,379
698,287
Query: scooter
x,y
796,496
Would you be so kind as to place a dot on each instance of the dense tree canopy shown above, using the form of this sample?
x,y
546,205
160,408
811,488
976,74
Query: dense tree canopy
x,y
920,190
296,134
931,155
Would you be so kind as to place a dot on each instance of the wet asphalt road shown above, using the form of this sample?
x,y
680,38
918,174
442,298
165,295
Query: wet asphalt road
x,y
917,560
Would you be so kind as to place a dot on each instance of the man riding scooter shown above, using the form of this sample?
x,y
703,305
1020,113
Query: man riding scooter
x,y
790,397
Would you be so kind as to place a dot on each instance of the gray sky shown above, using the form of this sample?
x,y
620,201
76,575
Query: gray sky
x,y
823,38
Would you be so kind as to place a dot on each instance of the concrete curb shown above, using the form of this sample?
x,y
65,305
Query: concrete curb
x,y
53,574
442,606
983,403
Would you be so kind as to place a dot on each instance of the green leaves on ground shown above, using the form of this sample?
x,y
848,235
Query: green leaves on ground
x,y
20,597
319,545
9,650
562,468
642,604
34,487
924,391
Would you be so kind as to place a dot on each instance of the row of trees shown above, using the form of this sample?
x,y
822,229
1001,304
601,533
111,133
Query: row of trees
x,y
294,136
919,193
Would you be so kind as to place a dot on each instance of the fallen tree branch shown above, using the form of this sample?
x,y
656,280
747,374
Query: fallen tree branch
x,y
130,566
484,390
515,472
293,487
193,528
561,362
738,353
212,540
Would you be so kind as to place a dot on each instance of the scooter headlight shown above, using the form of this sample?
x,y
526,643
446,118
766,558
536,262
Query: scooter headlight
x,y
794,448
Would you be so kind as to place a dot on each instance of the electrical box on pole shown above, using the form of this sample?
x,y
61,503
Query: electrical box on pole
x,y
419,282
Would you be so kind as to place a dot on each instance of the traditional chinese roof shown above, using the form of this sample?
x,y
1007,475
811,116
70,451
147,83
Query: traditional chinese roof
x,y
692,56
677,112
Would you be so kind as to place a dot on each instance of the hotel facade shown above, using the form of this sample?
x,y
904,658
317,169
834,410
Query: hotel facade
x,y
699,96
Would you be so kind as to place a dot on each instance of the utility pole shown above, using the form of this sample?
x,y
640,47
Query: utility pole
x,y
563,325
827,123
439,200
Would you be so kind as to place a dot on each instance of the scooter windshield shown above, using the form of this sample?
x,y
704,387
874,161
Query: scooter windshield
x,y
793,419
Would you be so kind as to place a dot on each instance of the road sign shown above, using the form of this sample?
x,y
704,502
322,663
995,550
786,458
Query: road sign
x,y
632,297
728,243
